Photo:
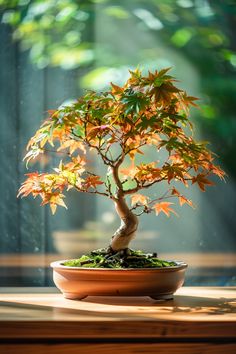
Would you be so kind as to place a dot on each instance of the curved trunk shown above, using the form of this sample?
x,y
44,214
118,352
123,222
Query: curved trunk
x,y
128,227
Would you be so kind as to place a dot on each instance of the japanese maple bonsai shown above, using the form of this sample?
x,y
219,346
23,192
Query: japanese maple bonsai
x,y
148,110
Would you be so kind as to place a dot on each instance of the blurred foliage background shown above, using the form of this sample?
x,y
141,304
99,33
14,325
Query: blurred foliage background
x,y
99,35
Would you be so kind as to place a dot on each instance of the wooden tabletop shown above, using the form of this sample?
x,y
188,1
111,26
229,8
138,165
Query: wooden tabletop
x,y
195,312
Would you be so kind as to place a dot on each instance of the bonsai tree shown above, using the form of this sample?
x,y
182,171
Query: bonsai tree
x,y
119,125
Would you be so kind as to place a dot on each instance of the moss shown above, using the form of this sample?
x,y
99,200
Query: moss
x,y
101,258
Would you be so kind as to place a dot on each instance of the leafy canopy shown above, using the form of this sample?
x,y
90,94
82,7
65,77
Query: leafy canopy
x,y
118,124
60,33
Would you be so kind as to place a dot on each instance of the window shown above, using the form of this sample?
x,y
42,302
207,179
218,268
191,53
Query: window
x,y
50,51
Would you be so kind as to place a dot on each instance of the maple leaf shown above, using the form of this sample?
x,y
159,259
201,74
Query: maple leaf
x,y
163,93
175,192
73,145
218,171
98,131
32,154
30,185
59,133
132,147
176,158
189,100
53,208
92,181
129,171
164,207
134,101
116,90
153,139
139,198
148,172
202,181
183,200
158,77
135,78
54,199
174,171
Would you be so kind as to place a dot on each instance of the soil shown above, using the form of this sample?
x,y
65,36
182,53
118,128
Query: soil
x,y
105,258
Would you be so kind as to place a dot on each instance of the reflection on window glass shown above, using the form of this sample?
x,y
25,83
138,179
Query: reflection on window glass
x,y
50,52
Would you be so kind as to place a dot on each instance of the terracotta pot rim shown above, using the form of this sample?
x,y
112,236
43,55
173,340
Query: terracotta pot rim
x,y
59,265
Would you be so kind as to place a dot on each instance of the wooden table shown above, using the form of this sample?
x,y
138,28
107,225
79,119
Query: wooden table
x,y
198,320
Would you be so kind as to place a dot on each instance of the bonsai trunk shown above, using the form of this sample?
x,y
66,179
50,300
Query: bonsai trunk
x,y
127,230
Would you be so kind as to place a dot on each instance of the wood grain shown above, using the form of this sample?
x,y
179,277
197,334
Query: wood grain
x,y
195,312
117,348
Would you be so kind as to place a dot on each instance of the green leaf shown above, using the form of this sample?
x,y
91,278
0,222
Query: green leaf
x,y
134,101
146,123
79,131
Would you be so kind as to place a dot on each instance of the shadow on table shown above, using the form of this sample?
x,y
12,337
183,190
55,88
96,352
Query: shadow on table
x,y
123,307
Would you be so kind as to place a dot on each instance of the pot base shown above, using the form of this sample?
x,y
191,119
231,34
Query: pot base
x,y
164,297
74,296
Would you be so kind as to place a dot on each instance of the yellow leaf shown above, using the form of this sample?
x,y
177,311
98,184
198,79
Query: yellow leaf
x,y
53,207
60,202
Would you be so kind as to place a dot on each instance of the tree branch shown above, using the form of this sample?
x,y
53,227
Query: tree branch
x,y
105,159
139,186
91,192
108,188
115,174
56,152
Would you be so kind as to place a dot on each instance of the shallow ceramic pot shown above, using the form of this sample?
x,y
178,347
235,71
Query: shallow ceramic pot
x,y
158,283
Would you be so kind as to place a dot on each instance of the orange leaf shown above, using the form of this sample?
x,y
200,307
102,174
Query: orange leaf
x,y
176,158
164,207
92,181
116,90
153,139
30,185
129,171
218,171
72,145
175,192
202,181
183,200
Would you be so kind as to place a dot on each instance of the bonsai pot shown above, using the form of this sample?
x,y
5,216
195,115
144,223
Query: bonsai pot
x,y
158,283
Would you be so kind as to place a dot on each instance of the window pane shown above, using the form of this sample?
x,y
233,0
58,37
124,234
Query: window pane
x,y
48,55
